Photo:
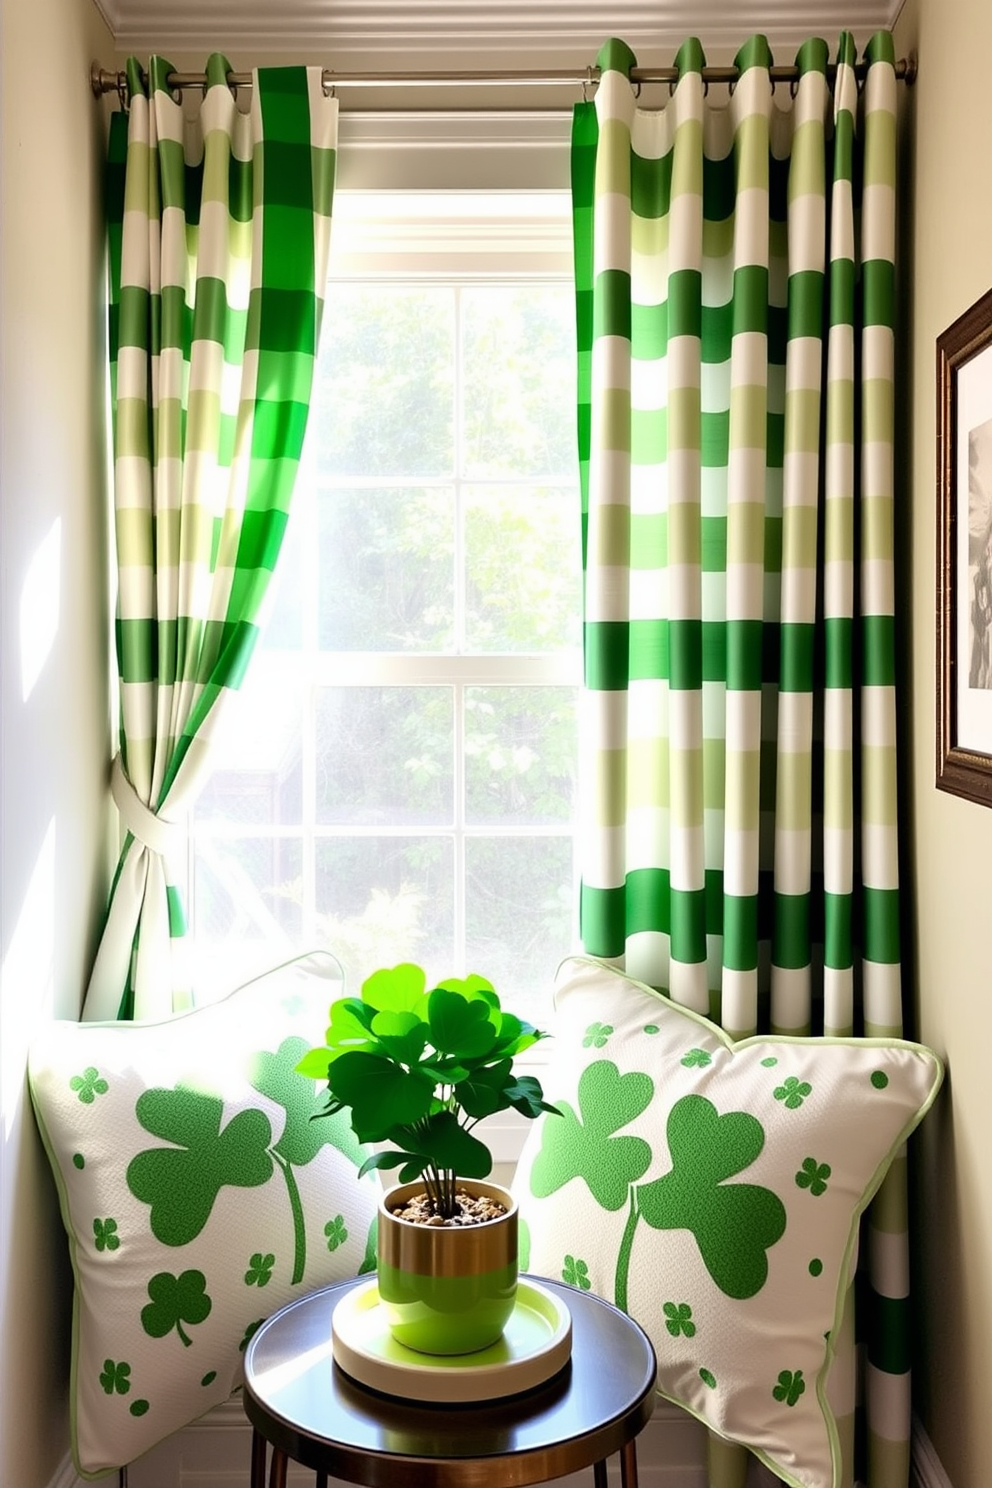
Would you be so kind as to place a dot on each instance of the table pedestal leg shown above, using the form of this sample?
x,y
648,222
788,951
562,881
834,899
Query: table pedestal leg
x,y
599,1474
628,1465
258,1445
277,1470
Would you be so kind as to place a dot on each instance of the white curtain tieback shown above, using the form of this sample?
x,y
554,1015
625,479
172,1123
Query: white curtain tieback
x,y
152,831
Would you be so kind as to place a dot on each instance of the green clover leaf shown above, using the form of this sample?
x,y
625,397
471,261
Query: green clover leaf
x,y
460,1026
115,1378
181,1182
697,1059
790,1386
381,1095
259,1271
814,1176
793,1092
335,1232
678,1317
175,1300
575,1273
586,1148
105,1234
596,1035
733,1223
89,1085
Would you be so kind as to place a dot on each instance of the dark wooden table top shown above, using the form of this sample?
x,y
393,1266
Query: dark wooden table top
x,y
298,1398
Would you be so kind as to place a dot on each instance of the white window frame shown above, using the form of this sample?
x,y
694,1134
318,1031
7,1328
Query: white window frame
x,y
463,239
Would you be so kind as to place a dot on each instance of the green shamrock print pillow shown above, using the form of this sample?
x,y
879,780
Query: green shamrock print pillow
x,y
712,1190
198,1196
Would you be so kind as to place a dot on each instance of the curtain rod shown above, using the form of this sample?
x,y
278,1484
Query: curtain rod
x,y
104,81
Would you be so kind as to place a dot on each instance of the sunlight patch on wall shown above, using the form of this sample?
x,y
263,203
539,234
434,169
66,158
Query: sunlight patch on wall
x,y
40,607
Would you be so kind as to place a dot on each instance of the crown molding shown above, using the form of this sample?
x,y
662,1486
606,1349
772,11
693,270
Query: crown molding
x,y
110,15
405,34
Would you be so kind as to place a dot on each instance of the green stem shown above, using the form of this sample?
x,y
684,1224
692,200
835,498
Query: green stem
x,y
623,1255
184,1336
299,1225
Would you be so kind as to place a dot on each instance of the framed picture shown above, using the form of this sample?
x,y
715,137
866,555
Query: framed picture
x,y
964,555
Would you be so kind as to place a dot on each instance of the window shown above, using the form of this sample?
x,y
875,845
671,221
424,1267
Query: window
x,y
397,778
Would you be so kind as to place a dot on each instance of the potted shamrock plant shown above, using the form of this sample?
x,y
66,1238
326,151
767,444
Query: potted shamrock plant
x,y
417,1069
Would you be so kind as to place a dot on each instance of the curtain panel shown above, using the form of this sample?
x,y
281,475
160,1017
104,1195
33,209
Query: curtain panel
x,y
219,229
735,296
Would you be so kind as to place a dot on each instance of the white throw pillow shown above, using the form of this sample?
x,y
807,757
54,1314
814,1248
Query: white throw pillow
x,y
198,1197
712,1190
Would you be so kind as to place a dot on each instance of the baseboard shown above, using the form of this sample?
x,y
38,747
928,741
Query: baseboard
x,y
65,1475
926,1470
214,1452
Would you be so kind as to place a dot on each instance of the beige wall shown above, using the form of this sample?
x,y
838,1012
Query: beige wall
x,y
54,707
947,240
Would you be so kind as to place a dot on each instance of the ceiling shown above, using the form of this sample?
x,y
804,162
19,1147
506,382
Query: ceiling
x,y
444,34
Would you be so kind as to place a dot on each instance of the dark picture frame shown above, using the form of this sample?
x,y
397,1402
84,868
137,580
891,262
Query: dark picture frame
x,y
964,555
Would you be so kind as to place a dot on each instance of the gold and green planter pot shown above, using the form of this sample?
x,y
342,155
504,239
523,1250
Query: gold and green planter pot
x,y
447,1290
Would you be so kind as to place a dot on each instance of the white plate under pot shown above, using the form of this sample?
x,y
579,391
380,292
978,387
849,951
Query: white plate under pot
x,y
536,1343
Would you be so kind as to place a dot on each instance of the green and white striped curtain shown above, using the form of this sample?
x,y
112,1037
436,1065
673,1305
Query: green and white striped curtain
x,y
735,270
219,230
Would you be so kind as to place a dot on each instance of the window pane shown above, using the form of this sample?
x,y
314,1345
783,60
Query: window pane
x,y
519,912
518,345
522,568
257,779
386,569
520,745
385,756
247,905
284,630
383,394
382,900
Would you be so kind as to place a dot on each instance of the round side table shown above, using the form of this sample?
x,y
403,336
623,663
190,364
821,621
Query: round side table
x,y
299,1400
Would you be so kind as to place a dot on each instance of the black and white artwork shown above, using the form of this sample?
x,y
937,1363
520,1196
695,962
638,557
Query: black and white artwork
x,y
980,555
